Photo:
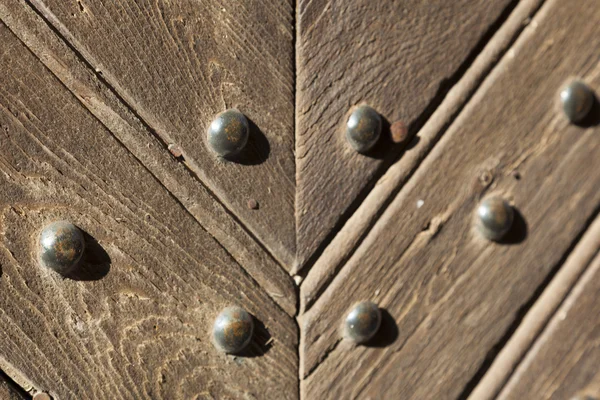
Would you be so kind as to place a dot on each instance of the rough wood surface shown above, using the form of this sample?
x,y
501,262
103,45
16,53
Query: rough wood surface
x,y
349,237
453,295
179,63
538,316
9,391
135,321
564,361
105,106
400,57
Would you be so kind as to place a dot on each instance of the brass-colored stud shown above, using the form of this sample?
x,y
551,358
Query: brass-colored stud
x,y
494,218
232,330
61,246
228,133
577,100
362,322
363,128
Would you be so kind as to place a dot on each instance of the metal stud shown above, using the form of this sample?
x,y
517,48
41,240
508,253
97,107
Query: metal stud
x,y
228,133
363,128
362,322
494,218
61,246
232,330
577,100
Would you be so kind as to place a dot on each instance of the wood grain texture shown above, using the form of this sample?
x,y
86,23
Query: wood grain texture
x,y
136,137
178,64
450,295
564,361
345,242
9,391
397,56
538,316
135,321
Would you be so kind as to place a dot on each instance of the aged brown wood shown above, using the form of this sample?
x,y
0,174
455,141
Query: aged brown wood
x,y
453,295
135,321
564,361
398,57
538,316
347,239
179,63
105,106
10,391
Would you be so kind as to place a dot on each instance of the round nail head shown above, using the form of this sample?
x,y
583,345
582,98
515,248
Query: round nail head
x,y
228,133
232,330
61,246
362,322
363,128
494,218
577,100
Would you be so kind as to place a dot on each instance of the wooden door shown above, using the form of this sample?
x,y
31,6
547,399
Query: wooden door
x,y
105,108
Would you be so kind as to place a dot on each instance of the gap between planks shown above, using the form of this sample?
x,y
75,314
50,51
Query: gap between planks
x,y
538,316
357,226
75,86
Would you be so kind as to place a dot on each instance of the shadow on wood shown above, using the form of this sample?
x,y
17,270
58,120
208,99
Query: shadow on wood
x,y
95,263
387,333
518,230
256,151
261,341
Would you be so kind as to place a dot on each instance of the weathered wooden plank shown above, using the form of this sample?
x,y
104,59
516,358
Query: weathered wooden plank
x,y
107,108
349,237
398,57
564,361
178,64
135,323
9,391
453,295
538,316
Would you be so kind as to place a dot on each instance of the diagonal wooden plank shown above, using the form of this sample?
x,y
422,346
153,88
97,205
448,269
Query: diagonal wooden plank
x,y
564,361
178,64
400,57
339,250
135,323
538,316
105,105
454,296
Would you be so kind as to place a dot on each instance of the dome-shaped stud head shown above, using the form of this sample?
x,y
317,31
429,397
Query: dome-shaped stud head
x,y
494,218
232,330
363,128
577,100
362,322
228,133
61,246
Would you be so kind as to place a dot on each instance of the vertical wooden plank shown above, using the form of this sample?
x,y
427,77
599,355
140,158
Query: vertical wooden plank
x,y
179,63
564,361
451,296
400,57
135,322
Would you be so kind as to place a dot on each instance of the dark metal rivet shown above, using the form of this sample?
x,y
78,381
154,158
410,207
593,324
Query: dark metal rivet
x,y
577,100
494,218
61,246
363,128
232,330
228,133
362,322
